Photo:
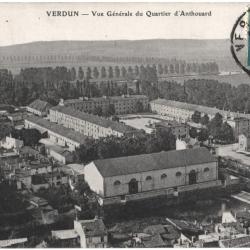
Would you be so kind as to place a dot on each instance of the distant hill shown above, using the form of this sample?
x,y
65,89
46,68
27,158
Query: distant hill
x,y
82,52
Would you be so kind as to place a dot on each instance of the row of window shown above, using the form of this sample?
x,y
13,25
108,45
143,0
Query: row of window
x,y
163,176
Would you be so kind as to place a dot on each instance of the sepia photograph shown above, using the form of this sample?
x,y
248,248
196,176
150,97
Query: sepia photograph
x,y
124,125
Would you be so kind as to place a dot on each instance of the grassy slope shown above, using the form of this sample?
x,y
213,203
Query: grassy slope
x,y
190,50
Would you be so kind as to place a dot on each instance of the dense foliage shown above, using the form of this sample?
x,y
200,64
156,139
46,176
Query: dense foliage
x,y
124,146
30,137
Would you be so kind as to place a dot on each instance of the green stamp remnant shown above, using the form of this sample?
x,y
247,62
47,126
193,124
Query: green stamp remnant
x,y
248,37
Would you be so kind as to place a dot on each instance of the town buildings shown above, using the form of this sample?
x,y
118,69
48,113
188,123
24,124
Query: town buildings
x,y
11,143
88,124
59,134
179,130
90,233
17,118
123,179
39,107
61,155
125,104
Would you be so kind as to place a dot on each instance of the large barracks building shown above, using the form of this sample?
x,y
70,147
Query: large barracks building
x,y
123,179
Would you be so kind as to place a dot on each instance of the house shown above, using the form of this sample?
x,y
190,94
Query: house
x,y
68,236
11,143
23,178
39,168
179,130
118,180
29,152
38,201
93,233
39,108
167,232
57,179
60,154
17,118
39,182
244,142
42,212
152,241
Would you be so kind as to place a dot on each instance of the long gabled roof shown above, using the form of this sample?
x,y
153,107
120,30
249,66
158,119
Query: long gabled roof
x,y
100,121
58,129
150,162
187,106
200,108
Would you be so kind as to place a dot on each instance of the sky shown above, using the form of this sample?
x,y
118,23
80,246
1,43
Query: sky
x,y
28,22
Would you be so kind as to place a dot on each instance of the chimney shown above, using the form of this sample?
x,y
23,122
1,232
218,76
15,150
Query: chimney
x,y
61,102
192,239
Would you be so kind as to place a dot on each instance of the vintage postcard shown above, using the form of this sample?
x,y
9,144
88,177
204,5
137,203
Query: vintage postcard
x,y
124,125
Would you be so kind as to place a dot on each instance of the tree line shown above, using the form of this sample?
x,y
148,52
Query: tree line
x,y
211,93
215,129
110,147
51,84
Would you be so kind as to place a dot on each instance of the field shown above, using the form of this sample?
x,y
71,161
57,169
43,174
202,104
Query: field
x,y
129,50
234,79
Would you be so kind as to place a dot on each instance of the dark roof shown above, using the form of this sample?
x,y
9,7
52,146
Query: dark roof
x,y
38,200
117,126
153,241
167,232
40,105
155,161
243,215
237,242
155,229
58,129
185,226
94,227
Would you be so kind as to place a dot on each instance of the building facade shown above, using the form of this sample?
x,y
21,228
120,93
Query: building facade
x,y
138,177
88,124
242,126
123,104
58,134
244,142
93,233
11,143
179,130
182,111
